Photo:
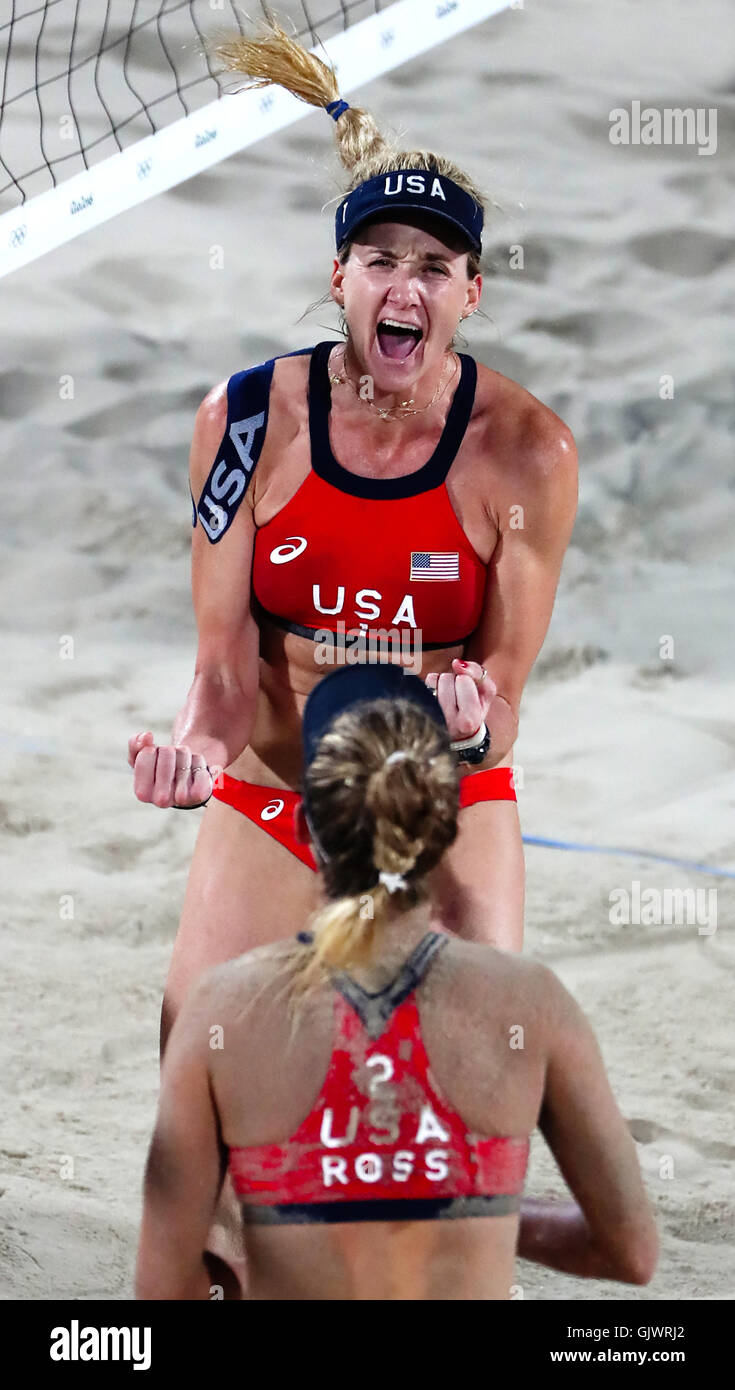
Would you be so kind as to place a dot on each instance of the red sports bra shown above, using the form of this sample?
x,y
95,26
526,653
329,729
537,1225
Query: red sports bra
x,y
381,1143
337,563
351,555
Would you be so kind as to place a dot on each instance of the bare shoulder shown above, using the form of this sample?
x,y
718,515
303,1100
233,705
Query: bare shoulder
x,y
210,423
288,396
527,989
288,389
510,968
511,985
224,991
290,372
212,410
520,430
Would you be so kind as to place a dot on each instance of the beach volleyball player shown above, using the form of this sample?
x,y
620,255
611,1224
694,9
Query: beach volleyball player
x,y
387,483
371,1084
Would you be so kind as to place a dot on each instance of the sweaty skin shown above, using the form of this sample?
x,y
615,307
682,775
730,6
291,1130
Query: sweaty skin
x,y
513,488
258,1086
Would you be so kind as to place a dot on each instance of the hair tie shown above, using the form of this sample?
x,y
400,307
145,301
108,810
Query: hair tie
x,y
397,756
392,881
336,107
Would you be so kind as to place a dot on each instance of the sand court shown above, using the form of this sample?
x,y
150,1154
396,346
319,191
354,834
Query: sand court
x,y
627,281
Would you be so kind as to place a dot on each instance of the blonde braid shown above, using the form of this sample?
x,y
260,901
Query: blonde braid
x,y
383,795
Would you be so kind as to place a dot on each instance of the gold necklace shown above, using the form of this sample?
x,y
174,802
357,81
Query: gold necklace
x,y
400,411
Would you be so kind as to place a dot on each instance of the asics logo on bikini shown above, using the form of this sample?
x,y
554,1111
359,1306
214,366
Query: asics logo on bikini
x,y
288,551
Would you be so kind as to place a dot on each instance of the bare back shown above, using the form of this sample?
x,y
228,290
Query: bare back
x,y
483,1018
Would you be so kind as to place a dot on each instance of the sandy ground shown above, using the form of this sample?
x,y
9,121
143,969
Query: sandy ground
x,y
628,265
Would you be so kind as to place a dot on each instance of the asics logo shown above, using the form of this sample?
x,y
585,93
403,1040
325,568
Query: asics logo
x,y
272,809
283,553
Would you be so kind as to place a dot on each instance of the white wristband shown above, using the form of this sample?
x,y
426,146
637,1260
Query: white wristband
x,y
474,742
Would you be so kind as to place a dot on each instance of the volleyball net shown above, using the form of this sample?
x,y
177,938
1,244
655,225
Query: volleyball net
x,y
104,105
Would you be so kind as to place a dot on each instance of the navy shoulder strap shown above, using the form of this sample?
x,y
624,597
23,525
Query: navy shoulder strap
x,y
248,395
375,1009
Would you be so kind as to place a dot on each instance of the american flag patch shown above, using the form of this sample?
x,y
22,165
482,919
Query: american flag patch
x,y
434,564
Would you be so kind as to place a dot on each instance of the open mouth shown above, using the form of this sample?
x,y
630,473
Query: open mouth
x,y
398,340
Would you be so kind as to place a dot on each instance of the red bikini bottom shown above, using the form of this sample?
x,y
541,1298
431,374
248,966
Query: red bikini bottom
x,y
272,808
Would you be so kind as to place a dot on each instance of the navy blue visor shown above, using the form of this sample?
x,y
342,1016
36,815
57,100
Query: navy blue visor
x,y
345,686
416,189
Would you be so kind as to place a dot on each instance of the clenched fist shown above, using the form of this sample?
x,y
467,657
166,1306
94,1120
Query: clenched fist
x,y
169,774
465,695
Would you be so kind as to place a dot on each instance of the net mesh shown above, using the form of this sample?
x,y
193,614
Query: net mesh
x,y
83,79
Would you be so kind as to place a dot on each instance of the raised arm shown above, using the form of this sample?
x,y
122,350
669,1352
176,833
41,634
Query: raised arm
x,y
216,721
610,1232
186,1164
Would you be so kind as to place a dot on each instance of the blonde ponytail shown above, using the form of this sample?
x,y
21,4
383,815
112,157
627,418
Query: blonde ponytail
x,y
274,57
344,935
372,815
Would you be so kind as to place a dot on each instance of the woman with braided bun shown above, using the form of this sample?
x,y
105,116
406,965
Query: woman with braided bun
x,y
377,1080
353,500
